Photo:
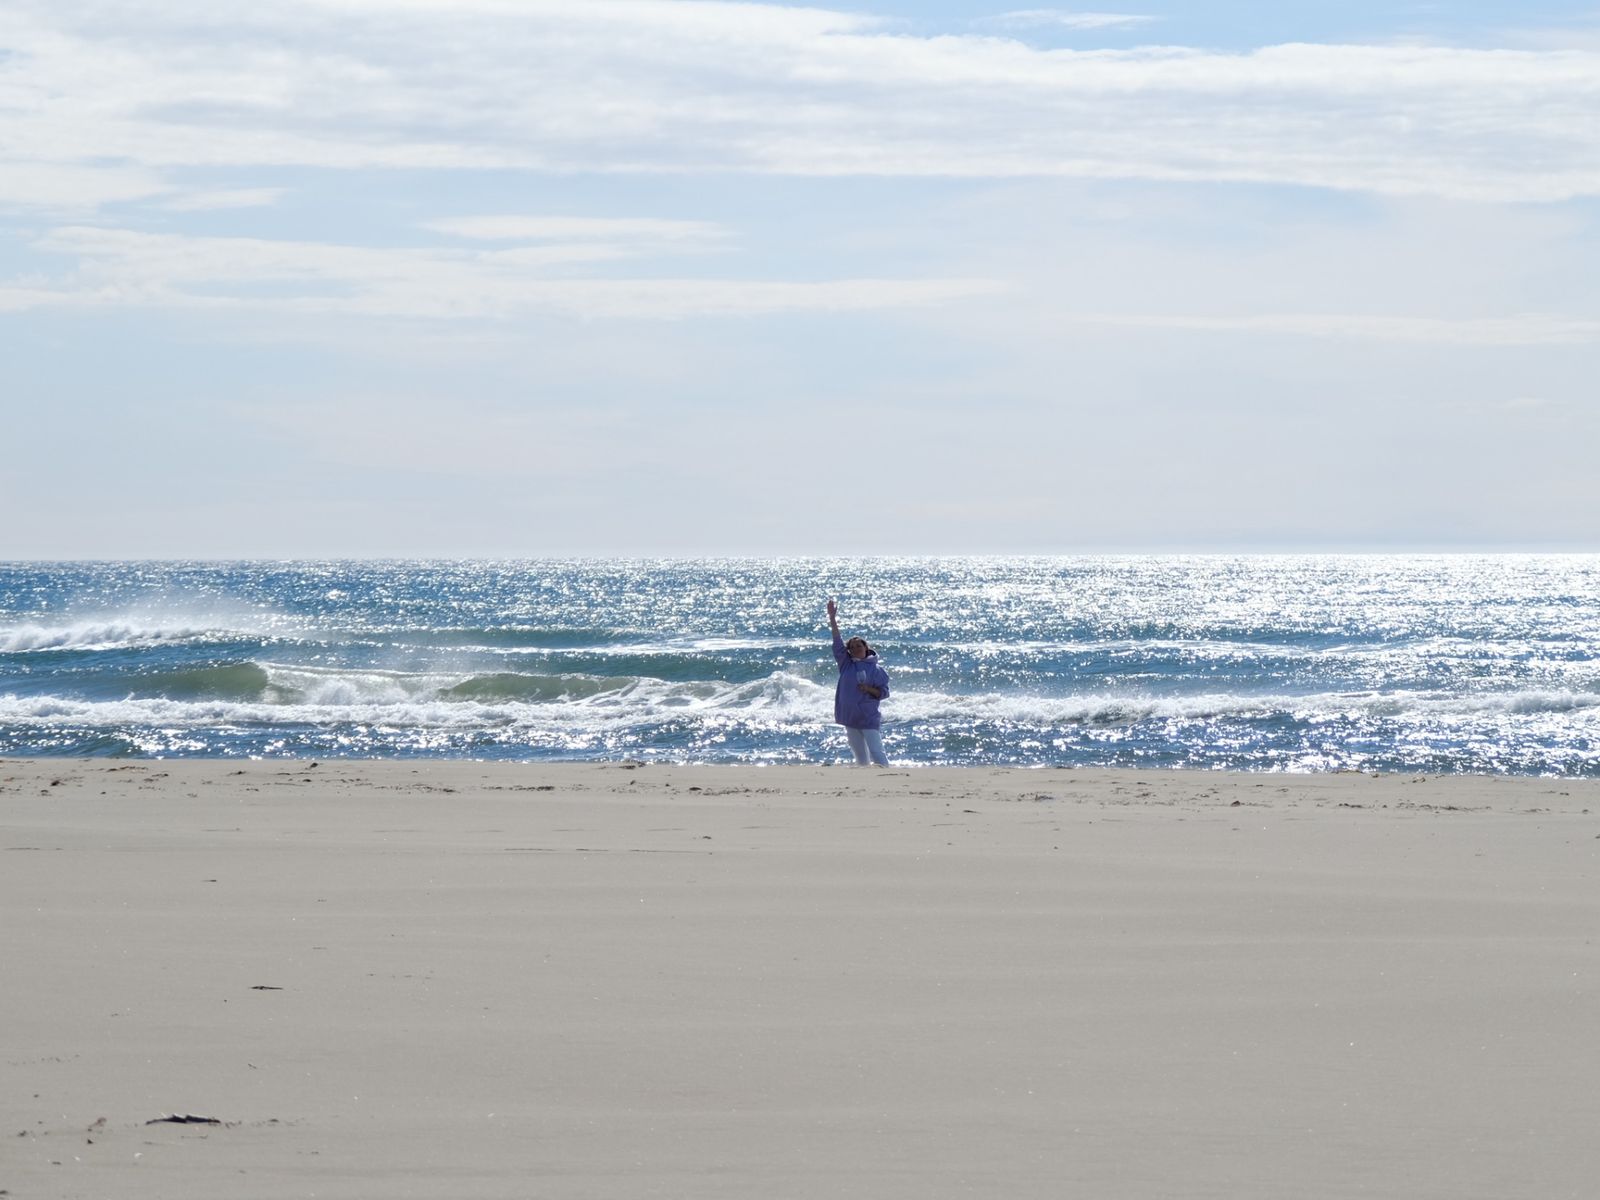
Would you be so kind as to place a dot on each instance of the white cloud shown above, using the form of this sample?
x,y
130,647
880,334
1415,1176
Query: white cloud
x,y
117,267
223,199
23,299
612,229
629,85
1040,18
71,187
1530,329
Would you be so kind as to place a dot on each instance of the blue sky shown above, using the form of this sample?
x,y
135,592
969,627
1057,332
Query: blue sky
x,y
499,277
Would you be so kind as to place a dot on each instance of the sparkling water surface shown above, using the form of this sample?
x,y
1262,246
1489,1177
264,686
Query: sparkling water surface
x,y
1305,663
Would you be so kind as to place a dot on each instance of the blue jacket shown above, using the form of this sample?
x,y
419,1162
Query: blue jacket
x,y
851,706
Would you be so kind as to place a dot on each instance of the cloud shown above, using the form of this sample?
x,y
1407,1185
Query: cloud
x,y
1040,18
120,267
1532,329
693,88
65,187
611,229
206,201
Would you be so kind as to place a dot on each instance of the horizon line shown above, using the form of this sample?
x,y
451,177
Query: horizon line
x,y
1488,550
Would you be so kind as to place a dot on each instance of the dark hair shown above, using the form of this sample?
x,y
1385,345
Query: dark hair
x,y
862,640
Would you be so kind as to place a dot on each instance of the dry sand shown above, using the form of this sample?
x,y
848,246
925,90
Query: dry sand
x,y
470,980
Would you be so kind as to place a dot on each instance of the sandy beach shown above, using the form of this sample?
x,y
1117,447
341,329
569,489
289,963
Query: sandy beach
x,y
395,979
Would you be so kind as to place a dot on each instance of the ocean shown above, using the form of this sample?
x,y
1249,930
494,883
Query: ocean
x,y
1394,663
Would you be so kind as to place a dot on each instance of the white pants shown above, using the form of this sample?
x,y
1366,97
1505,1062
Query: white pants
x,y
864,743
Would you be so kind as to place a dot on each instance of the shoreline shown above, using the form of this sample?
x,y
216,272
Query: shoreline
x,y
841,763
482,979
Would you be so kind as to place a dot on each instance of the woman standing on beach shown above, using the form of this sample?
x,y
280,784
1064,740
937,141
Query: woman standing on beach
x,y
862,684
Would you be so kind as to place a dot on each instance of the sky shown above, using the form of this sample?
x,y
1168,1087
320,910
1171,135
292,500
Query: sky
x,y
527,278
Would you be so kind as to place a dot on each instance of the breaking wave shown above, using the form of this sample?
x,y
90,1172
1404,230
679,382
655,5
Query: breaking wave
x,y
253,693
107,635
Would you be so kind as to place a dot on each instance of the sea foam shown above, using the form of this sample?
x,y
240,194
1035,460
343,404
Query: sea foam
x,y
103,635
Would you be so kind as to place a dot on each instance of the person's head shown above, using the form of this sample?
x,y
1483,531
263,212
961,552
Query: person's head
x,y
857,648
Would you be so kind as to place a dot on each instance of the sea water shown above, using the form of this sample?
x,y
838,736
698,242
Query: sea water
x,y
1298,663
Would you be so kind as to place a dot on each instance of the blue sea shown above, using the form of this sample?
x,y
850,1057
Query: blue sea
x,y
1451,663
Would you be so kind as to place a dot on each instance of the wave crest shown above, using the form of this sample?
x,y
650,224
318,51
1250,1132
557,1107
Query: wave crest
x,y
255,693
115,634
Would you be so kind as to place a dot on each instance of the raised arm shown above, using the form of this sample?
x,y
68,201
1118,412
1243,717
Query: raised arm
x,y
840,655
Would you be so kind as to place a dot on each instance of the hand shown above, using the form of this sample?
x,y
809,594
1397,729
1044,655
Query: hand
x,y
870,690
833,611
